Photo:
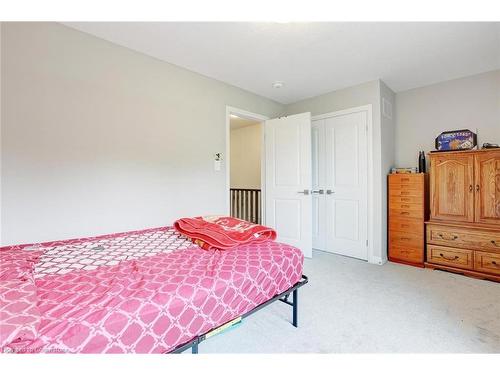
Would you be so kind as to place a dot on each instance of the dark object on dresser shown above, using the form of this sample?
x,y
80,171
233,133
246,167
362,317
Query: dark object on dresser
x,y
490,145
421,162
408,202
463,234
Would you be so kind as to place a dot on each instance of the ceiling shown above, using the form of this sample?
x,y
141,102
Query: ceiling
x,y
313,58
240,122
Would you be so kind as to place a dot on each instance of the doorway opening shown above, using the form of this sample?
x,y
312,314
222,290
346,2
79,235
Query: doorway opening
x,y
245,177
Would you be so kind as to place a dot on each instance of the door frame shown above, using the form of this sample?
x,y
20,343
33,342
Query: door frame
x,y
372,258
250,116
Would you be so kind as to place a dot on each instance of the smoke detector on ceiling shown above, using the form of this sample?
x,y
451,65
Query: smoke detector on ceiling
x,y
278,84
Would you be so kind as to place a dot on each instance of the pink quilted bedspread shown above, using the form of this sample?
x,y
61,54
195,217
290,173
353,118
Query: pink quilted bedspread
x,y
155,303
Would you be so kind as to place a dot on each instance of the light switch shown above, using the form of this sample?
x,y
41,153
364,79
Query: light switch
x,y
217,161
217,165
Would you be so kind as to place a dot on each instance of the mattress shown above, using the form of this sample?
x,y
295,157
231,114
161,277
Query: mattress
x,y
149,291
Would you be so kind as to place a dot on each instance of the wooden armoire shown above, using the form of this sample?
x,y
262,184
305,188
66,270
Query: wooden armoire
x,y
463,233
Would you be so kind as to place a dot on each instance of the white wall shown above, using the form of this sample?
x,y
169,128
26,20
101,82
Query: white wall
x,y
246,144
367,93
466,103
97,138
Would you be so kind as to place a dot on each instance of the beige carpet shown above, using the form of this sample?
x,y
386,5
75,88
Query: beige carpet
x,y
352,306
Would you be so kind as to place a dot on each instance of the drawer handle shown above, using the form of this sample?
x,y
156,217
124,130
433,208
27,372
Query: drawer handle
x,y
406,238
405,206
452,238
405,179
454,258
405,225
495,243
495,263
405,213
470,188
405,193
405,199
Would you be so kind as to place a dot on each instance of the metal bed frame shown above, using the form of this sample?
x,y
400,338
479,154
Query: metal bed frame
x,y
283,297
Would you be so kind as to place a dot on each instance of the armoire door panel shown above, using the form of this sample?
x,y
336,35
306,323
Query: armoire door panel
x,y
487,187
452,193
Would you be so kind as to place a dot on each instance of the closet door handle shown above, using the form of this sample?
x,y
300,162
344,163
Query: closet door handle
x,y
495,243
470,188
477,187
305,192
329,192
320,191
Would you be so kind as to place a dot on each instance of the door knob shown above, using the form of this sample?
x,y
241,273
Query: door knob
x,y
305,192
329,191
320,191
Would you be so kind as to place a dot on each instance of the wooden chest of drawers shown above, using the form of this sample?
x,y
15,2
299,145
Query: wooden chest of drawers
x,y
407,214
473,250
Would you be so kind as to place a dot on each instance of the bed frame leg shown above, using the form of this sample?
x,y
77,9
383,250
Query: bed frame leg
x,y
194,348
295,307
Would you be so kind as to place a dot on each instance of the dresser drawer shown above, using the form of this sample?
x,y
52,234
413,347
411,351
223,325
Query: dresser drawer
x,y
406,239
407,225
487,262
406,213
399,192
407,199
395,179
463,238
407,254
407,187
405,206
459,258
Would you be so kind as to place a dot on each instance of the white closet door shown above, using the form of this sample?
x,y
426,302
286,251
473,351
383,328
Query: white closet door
x,y
288,179
318,185
346,184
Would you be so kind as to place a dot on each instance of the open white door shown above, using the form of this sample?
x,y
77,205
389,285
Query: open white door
x,y
288,180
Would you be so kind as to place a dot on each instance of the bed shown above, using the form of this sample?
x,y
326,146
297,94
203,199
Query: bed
x,y
149,291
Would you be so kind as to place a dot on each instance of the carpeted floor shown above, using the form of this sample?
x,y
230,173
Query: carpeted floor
x,y
352,306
